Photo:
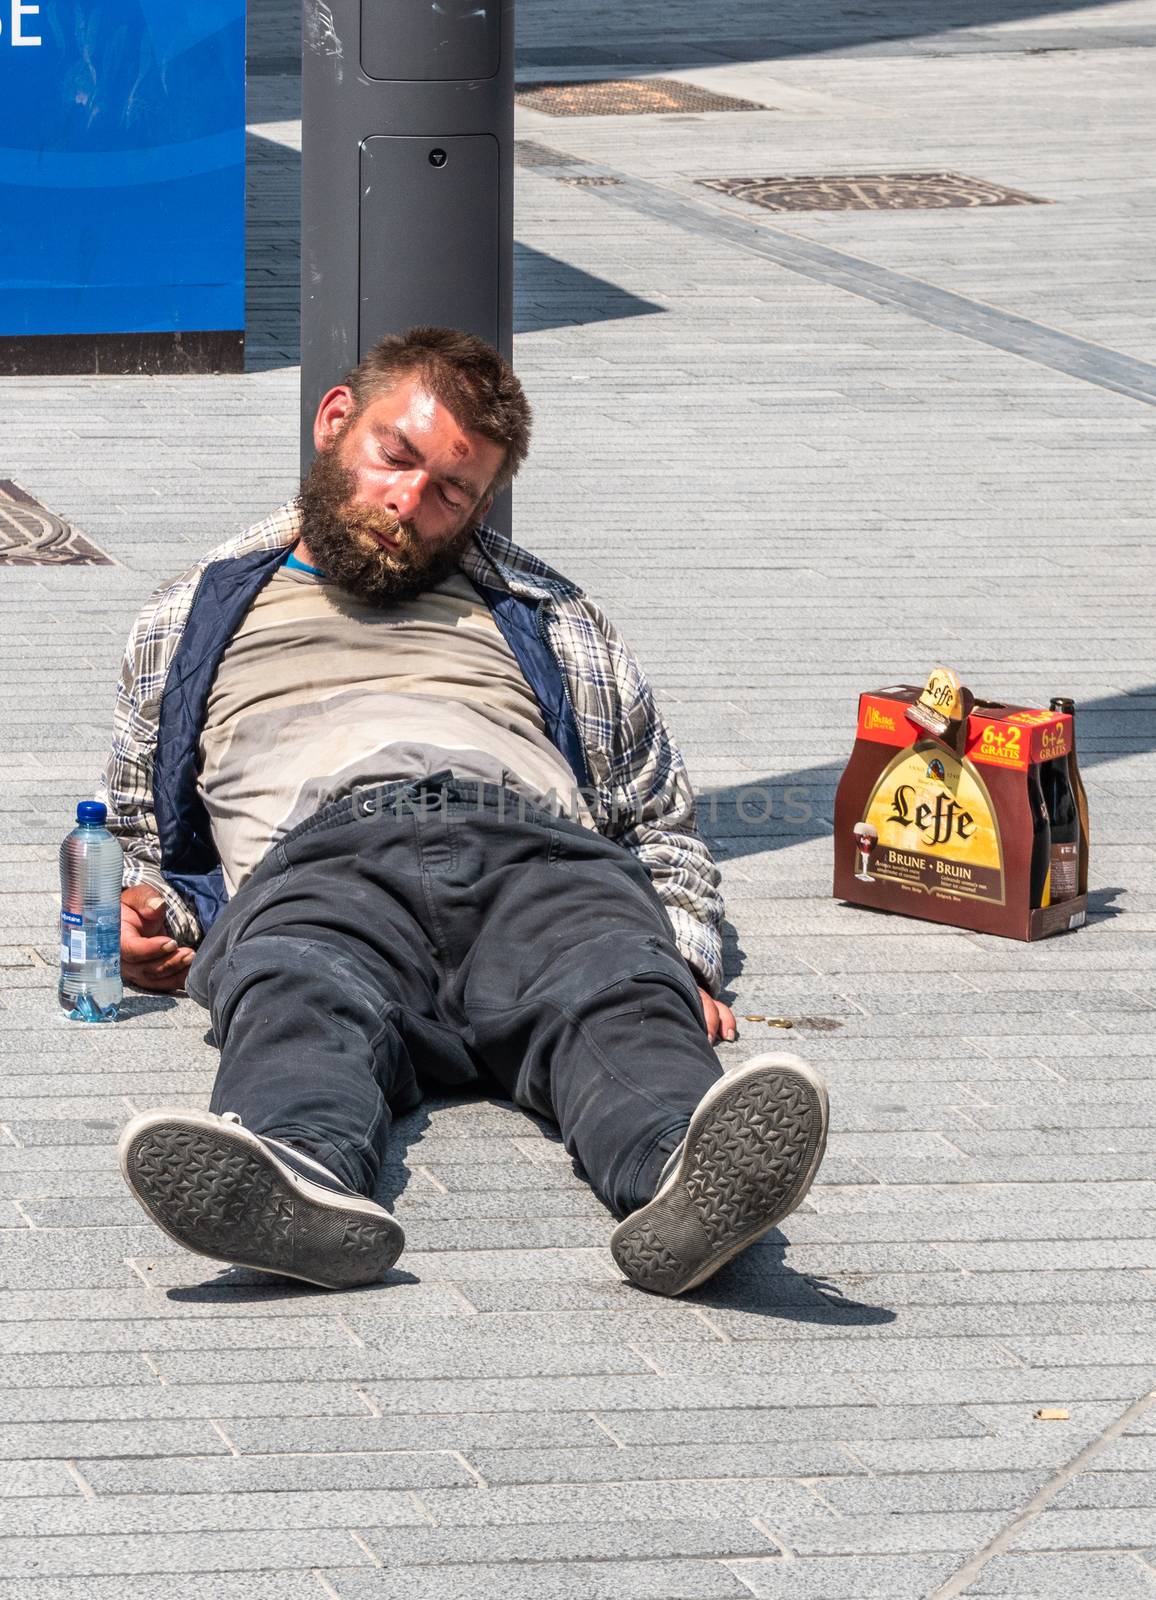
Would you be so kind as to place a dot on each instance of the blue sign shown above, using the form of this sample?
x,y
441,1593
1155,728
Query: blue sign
x,y
122,166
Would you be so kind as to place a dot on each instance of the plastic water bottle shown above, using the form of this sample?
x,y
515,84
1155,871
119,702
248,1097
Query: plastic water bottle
x,y
91,867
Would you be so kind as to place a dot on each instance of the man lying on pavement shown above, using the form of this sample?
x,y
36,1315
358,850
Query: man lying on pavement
x,y
405,792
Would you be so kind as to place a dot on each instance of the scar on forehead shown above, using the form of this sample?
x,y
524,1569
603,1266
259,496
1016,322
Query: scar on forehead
x,y
458,449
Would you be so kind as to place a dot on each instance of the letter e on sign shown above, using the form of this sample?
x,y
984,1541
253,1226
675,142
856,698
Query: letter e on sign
x,y
19,9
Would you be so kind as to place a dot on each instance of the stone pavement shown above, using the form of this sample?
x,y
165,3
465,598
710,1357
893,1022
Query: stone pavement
x,y
793,456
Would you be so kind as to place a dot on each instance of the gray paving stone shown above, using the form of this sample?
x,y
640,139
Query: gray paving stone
x,y
1056,1576
638,1464
1087,1418
284,1584
752,1425
1127,1454
421,1431
179,1552
184,1400
1050,1446
161,1334
1085,1323
232,1303
36,1478
678,1321
846,1578
481,1357
1133,1528
569,1541
502,1204
546,1580
773,1499
918,1533
282,1510
1106,1350
450,1266
1109,1490
64,1440
976,1491
860,1356
1054,1254
634,1394
233,1475
996,1288
1044,1386
61,1369
969,1224
464,1177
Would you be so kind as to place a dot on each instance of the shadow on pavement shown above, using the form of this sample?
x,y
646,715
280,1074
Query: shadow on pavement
x,y
737,30
136,1004
548,293
239,1285
761,1283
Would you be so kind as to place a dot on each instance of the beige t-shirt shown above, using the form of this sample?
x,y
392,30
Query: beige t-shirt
x,y
318,693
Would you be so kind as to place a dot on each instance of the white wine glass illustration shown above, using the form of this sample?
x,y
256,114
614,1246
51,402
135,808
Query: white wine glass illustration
x,y
866,838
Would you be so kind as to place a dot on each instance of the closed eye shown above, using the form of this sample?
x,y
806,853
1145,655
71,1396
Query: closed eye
x,y
396,461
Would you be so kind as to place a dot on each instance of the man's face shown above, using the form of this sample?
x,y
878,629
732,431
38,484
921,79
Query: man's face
x,y
393,493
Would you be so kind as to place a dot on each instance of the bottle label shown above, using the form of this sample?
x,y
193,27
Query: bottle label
x,y
73,944
94,941
930,826
1065,873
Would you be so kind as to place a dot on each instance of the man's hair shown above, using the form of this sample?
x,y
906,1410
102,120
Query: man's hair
x,y
466,374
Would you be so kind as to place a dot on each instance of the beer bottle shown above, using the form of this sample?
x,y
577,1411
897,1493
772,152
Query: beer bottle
x,y
1041,874
1068,707
1064,821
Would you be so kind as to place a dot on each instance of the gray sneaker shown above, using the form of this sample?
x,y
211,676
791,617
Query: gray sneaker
x,y
750,1154
230,1194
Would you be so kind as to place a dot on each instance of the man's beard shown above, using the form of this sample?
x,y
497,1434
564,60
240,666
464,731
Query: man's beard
x,y
339,535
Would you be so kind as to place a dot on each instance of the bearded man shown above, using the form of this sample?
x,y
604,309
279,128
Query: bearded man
x,y
405,793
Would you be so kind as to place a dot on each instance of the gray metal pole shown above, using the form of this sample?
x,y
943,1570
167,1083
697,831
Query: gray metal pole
x,y
407,166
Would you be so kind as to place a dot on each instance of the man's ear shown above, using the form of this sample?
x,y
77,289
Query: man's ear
x,y
482,509
332,414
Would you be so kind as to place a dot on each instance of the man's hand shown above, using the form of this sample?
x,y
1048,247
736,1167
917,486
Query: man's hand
x,y
148,957
719,1019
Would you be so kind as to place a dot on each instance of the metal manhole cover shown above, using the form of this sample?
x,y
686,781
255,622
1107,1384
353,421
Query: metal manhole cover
x,y
33,536
528,153
621,97
886,191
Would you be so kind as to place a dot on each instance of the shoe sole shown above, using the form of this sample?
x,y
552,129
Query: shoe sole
x,y
751,1152
215,1188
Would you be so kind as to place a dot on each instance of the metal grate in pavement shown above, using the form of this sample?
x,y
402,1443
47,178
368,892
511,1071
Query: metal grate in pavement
x,y
589,180
625,97
33,536
885,191
528,153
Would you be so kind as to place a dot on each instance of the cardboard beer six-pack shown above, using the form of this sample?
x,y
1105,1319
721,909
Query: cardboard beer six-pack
x,y
964,811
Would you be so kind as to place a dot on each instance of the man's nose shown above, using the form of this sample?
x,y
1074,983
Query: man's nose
x,y
404,493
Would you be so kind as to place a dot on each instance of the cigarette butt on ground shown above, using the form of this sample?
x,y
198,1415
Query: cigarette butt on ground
x,y
1052,1414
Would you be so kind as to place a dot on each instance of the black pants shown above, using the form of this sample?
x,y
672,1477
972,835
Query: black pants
x,y
434,932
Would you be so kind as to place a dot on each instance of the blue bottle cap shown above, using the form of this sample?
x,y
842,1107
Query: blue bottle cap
x,y
91,811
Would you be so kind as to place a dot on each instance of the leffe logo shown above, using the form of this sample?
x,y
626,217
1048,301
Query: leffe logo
x,y
938,823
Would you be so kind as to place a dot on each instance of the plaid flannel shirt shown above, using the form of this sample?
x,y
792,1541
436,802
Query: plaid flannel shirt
x,y
639,792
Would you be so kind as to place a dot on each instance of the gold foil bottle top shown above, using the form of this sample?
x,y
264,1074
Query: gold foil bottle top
x,y
940,704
